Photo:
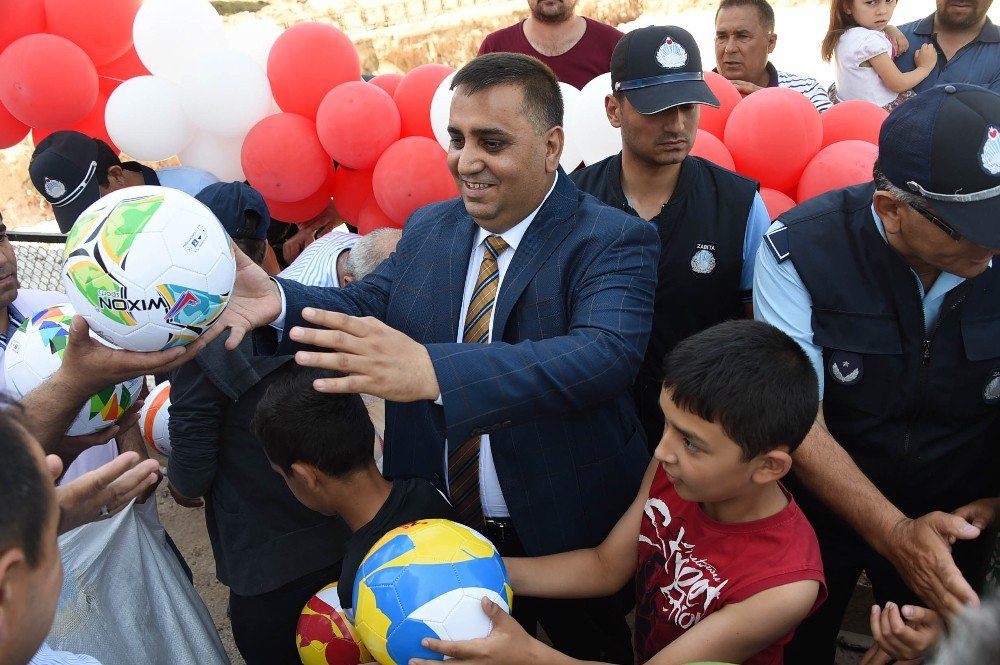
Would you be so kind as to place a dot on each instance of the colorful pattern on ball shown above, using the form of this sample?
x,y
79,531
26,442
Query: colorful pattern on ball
x,y
149,267
35,352
426,579
325,636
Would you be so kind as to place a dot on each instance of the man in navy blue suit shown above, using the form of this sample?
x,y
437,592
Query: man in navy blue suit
x,y
504,332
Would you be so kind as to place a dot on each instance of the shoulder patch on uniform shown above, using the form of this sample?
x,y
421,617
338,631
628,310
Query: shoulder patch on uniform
x,y
777,242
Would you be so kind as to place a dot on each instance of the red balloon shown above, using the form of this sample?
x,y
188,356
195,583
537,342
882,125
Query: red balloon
x,y
372,218
853,120
307,61
777,203
304,210
47,81
707,146
351,191
842,164
92,125
356,123
412,173
772,135
19,19
102,28
388,82
12,130
116,72
413,97
283,158
713,120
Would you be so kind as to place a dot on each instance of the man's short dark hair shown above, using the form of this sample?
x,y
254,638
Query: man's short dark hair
x,y
764,10
106,158
296,423
749,378
543,102
24,502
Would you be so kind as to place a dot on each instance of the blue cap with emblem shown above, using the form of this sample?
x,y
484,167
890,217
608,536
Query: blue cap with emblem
x,y
659,67
944,145
63,169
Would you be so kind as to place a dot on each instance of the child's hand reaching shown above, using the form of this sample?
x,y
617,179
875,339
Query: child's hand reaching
x,y
926,57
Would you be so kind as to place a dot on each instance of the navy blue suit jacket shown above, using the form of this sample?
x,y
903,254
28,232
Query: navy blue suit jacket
x,y
571,323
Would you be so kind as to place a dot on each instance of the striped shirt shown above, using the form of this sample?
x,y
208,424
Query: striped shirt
x,y
317,265
809,87
47,656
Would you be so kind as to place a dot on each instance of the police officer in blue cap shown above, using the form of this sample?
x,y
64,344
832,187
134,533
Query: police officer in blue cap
x,y
710,220
890,288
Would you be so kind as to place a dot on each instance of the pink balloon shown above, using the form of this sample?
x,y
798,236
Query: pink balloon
x,y
853,120
413,97
772,134
777,203
307,61
713,120
372,218
388,82
102,28
707,146
841,164
283,158
19,19
12,130
351,191
412,173
47,81
356,123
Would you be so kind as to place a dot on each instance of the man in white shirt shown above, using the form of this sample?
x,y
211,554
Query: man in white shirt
x,y
339,257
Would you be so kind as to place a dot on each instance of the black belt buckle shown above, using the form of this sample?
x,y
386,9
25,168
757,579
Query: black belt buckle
x,y
501,530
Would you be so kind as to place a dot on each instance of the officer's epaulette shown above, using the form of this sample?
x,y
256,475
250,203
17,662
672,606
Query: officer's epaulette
x,y
777,242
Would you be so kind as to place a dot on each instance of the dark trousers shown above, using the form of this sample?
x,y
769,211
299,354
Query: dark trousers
x,y
587,629
264,625
845,555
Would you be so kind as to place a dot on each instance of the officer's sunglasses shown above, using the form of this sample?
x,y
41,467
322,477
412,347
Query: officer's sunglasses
x,y
940,223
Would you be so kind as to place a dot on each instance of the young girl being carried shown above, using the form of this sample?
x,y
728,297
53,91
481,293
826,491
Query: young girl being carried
x,y
864,54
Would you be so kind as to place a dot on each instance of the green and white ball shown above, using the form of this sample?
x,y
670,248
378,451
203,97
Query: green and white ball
x,y
149,267
35,352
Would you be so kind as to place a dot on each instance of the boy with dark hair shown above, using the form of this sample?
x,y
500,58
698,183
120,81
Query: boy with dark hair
x,y
726,566
322,445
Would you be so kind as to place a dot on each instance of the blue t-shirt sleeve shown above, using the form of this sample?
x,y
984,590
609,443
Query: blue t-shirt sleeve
x,y
757,222
781,299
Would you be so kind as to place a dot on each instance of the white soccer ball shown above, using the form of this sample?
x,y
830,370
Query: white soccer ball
x,y
149,268
35,352
154,419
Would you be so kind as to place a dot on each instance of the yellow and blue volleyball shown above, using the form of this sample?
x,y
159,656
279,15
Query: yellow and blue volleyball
x,y
427,579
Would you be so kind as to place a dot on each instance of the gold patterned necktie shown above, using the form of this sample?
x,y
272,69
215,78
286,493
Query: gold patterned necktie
x,y
463,462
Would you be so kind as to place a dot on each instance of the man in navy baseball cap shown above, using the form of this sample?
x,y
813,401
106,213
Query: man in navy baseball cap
x,y
890,288
710,219
243,214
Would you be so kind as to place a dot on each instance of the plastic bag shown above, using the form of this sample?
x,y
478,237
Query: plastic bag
x,y
125,598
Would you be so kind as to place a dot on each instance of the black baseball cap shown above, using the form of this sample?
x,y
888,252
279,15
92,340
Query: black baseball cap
x,y
63,169
659,67
944,145
230,201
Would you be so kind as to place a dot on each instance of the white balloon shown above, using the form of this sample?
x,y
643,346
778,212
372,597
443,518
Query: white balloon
x,y
255,37
441,111
571,154
146,120
219,155
590,121
225,92
170,34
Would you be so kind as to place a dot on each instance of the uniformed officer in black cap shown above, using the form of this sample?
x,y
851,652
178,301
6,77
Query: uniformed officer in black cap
x,y
710,220
890,288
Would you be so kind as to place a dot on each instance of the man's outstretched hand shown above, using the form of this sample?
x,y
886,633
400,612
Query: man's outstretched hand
x,y
254,302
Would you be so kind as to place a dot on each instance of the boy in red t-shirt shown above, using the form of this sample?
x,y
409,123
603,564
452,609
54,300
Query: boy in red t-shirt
x,y
725,564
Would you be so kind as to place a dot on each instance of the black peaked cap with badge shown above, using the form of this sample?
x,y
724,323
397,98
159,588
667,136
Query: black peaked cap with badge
x,y
63,169
659,67
944,144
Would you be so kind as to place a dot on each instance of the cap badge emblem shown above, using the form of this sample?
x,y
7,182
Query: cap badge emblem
x,y
671,55
989,156
54,188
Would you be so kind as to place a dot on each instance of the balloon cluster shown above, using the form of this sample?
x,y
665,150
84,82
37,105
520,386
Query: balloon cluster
x,y
775,136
